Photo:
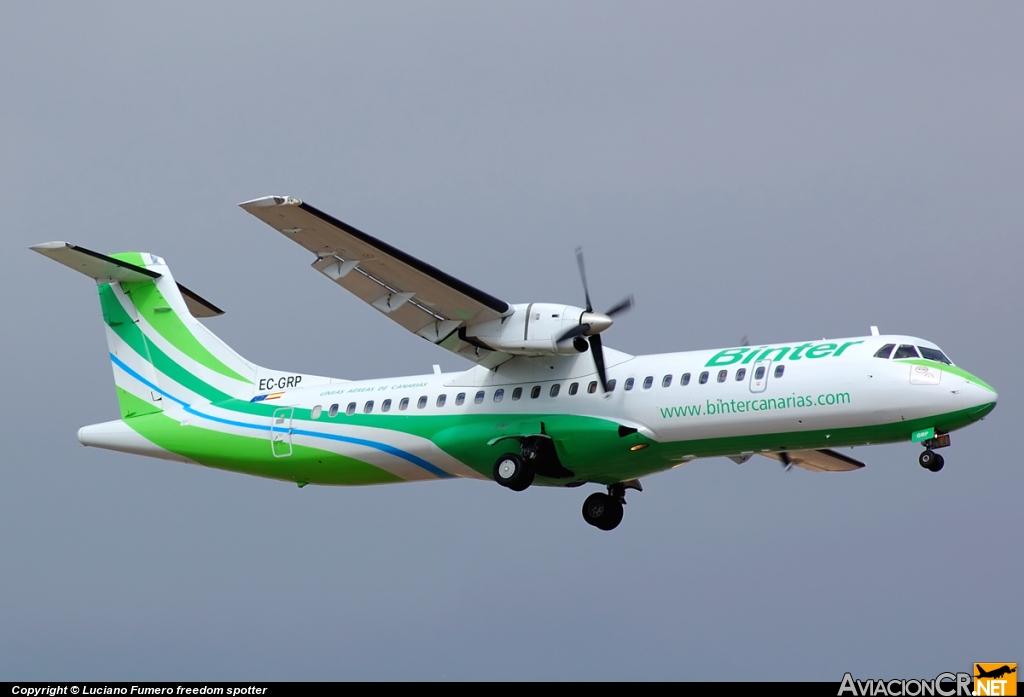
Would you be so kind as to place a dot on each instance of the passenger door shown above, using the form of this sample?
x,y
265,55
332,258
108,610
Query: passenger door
x,y
759,375
281,432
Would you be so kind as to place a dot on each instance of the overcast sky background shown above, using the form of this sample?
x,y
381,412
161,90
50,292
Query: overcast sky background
x,y
777,170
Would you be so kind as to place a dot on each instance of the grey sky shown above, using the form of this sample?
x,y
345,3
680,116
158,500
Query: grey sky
x,y
782,171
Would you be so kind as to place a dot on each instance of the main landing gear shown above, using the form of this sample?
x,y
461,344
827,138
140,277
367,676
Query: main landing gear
x,y
514,472
930,459
536,456
604,511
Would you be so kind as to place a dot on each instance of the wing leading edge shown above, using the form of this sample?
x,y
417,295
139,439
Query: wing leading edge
x,y
421,298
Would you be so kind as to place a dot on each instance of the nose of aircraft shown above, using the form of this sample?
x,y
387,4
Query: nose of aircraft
x,y
981,398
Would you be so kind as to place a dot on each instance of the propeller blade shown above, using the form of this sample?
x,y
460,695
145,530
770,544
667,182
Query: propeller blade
x,y
578,330
583,277
626,304
598,351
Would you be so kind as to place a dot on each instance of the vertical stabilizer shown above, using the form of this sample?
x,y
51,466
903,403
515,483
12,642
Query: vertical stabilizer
x,y
163,357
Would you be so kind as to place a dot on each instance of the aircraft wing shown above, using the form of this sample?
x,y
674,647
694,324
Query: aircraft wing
x,y
419,297
818,460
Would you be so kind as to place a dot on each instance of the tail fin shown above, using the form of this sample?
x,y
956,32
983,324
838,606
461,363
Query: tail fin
x,y
162,355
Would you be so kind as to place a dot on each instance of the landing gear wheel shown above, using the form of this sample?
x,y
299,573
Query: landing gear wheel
x,y
512,472
602,511
931,460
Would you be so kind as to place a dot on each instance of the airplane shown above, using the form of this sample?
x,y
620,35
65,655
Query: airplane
x,y
546,403
995,673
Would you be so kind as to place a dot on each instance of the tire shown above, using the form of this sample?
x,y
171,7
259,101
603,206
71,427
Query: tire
x,y
927,459
937,464
602,511
513,473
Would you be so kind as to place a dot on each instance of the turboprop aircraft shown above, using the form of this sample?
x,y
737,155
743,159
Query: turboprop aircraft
x,y
547,404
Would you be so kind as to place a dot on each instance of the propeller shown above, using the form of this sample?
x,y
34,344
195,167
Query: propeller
x,y
593,323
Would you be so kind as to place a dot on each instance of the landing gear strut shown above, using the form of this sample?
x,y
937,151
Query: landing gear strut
x,y
604,511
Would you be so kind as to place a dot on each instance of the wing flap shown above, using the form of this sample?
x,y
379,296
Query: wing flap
x,y
818,460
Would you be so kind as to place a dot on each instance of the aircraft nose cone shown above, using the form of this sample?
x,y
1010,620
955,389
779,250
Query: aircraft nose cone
x,y
981,398
598,322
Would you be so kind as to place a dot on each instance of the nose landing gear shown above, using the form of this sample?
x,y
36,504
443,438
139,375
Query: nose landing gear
x,y
930,459
604,511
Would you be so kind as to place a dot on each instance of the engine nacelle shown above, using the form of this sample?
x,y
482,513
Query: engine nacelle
x,y
532,330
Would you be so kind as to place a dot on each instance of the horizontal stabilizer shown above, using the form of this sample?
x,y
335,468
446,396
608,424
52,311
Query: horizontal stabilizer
x,y
106,268
93,264
818,460
198,305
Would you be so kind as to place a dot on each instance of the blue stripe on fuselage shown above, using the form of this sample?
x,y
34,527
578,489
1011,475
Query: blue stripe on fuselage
x,y
383,447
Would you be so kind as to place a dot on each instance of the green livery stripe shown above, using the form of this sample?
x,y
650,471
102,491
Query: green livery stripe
x,y
250,455
118,319
132,405
152,305
663,455
949,369
130,258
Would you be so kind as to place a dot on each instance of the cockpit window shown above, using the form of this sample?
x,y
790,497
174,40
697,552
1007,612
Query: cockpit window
x,y
906,351
885,351
934,355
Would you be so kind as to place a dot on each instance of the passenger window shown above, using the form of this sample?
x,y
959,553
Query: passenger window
x,y
422,402
460,398
368,407
666,381
441,399
703,378
574,388
905,351
535,392
629,384
517,393
385,405
934,355
759,373
779,370
479,399
592,387
685,380
648,381
317,410
499,394
722,375
740,374
885,351
333,411
554,390
351,409
611,385
404,404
